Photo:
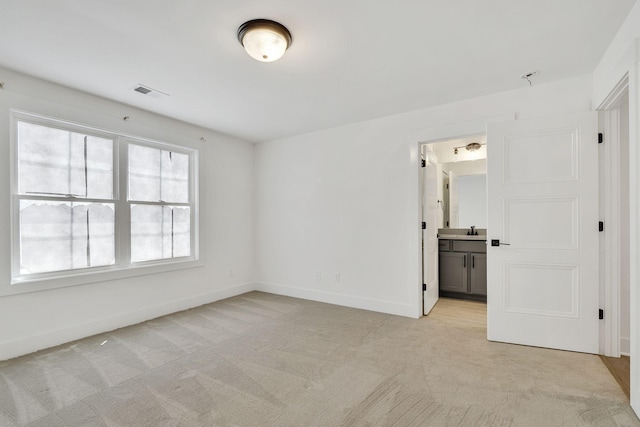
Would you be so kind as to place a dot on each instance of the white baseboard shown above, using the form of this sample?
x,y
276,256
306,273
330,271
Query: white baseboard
x,y
625,346
34,343
339,299
11,349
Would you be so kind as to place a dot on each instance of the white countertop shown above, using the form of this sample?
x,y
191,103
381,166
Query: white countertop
x,y
460,237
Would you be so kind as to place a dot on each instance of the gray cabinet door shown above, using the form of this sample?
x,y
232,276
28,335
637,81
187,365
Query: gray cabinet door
x,y
453,272
478,280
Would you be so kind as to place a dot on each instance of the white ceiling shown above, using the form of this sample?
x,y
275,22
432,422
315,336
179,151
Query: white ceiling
x,y
350,60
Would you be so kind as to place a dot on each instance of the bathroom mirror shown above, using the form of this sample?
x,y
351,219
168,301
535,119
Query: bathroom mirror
x,y
465,194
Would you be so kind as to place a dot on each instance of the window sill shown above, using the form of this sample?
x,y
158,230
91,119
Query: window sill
x,y
26,285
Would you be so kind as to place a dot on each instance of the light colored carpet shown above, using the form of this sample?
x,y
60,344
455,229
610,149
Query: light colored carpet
x,y
266,360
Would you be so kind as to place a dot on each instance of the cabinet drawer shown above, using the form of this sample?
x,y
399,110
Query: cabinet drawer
x,y
444,245
469,246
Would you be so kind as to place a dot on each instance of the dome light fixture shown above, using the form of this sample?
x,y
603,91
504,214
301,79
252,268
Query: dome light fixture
x,y
474,146
264,40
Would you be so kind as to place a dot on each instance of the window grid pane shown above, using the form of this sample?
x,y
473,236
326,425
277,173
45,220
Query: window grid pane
x,y
158,175
58,236
160,232
64,163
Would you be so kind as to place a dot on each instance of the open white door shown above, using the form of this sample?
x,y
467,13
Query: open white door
x,y
430,235
454,204
543,285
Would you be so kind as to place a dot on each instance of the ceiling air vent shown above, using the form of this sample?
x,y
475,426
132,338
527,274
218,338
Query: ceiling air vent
x,y
143,90
153,93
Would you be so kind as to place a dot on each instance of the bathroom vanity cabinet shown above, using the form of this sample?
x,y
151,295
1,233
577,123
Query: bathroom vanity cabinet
x,y
463,268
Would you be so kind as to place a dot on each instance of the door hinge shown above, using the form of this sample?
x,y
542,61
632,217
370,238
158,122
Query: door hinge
x,y
600,226
601,314
600,138
447,186
424,163
424,225
424,286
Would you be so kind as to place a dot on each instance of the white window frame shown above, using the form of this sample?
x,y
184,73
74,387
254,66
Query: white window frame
x,y
124,157
122,267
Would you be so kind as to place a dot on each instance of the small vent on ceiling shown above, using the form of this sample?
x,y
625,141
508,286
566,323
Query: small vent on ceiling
x,y
153,93
142,90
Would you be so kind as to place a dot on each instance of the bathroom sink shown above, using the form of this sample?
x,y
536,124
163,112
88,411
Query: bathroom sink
x,y
461,237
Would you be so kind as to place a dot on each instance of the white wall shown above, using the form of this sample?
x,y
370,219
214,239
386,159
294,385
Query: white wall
x,y
36,320
341,200
619,57
471,167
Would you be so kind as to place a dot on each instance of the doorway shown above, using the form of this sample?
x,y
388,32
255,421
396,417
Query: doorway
x,y
453,213
445,132
542,192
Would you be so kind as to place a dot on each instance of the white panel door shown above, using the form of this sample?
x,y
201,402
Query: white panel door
x,y
430,235
543,208
454,204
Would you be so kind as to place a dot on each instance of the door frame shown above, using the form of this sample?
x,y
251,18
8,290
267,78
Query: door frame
x,y
610,210
416,139
607,87
425,149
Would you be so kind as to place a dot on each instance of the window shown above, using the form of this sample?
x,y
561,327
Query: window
x,y
87,200
159,201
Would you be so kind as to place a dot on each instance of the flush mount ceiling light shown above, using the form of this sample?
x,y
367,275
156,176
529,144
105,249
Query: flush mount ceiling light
x,y
264,40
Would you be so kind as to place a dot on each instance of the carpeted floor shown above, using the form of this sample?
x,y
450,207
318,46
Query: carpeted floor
x,y
263,360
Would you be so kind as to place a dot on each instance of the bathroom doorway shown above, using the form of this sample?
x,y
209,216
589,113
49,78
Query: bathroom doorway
x,y
454,217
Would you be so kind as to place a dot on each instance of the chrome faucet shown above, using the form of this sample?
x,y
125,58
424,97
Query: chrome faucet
x,y
473,231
